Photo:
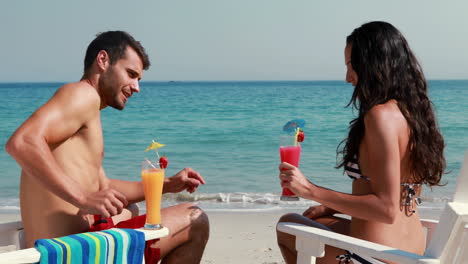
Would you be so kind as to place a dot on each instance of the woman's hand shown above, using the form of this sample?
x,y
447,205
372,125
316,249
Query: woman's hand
x,y
292,178
318,211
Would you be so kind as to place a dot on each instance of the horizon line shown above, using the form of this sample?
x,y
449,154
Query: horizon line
x,y
213,81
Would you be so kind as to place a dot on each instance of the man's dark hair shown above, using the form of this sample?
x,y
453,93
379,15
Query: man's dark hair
x,y
114,43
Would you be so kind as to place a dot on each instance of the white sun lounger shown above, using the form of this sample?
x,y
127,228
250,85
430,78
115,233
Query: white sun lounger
x,y
447,239
12,241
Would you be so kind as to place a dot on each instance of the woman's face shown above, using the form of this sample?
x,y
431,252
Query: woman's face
x,y
351,76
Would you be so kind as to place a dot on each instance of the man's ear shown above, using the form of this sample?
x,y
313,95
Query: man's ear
x,y
102,60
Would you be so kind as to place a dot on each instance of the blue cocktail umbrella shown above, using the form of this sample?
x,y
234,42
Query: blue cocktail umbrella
x,y
291,126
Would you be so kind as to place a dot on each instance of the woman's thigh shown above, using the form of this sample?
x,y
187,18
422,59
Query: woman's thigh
x,y
336,224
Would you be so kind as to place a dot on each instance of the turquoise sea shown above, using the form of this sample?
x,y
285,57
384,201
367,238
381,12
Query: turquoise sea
x,y
229,132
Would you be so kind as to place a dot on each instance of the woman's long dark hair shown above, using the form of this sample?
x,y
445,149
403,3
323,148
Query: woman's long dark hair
x,y
386,70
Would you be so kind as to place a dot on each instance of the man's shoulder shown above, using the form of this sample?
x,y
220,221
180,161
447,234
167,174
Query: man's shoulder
x,y
78,88
78,93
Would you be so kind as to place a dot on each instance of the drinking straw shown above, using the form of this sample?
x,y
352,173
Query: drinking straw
x,y
296,135
157,153
149,162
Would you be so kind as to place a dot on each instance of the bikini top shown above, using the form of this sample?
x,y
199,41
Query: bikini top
x,y
352,169
354,172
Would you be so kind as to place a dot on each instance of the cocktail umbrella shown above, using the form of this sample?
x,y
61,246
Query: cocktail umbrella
x,y
155,145
291,126
294,126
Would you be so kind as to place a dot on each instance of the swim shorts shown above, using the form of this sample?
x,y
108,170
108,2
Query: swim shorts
x,y
152,255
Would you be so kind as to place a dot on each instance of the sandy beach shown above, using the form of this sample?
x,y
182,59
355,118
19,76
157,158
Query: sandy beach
x,y
249,237
242,236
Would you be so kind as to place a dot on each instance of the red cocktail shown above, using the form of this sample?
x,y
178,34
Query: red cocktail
x,y
290,152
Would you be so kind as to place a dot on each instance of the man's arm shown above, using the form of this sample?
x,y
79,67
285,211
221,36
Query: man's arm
x,y
53,123
133,190
186,179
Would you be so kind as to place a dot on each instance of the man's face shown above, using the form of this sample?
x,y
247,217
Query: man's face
x,y
121,80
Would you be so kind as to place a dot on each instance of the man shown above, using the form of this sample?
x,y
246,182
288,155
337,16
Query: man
x,y
60,149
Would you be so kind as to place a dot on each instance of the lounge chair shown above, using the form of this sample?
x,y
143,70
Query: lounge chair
x,y
12,241
447,239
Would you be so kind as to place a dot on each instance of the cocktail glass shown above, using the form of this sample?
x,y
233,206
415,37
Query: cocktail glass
x,y
153,179
290,152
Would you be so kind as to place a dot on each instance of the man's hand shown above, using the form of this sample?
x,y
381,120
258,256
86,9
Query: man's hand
x,y
107,202
186,179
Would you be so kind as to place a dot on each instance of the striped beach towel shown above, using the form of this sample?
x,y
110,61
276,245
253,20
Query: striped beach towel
x,y
114,245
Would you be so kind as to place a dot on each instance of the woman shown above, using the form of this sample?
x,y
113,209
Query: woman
x,y
393,146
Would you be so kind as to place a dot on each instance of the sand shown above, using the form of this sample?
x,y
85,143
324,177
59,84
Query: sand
x,y
249,237
242,237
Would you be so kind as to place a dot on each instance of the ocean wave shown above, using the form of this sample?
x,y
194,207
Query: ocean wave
x,y
9,203
9,207
255,198
236,201
226,198
436,199
242,201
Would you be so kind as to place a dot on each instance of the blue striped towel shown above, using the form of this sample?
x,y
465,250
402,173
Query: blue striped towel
x,y
111,246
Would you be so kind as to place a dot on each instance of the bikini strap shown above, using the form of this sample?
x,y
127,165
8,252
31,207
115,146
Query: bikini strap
x,y
408,188
344,258
349,256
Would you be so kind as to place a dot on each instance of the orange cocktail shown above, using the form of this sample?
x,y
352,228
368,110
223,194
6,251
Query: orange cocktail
x,y
153,179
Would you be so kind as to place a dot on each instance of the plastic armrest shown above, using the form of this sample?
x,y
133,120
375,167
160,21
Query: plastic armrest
x,y
355,245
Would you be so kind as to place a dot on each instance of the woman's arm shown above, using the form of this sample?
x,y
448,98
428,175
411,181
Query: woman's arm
x,y
384,124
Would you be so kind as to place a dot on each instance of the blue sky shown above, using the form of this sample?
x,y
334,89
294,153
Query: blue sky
x,y
226,40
